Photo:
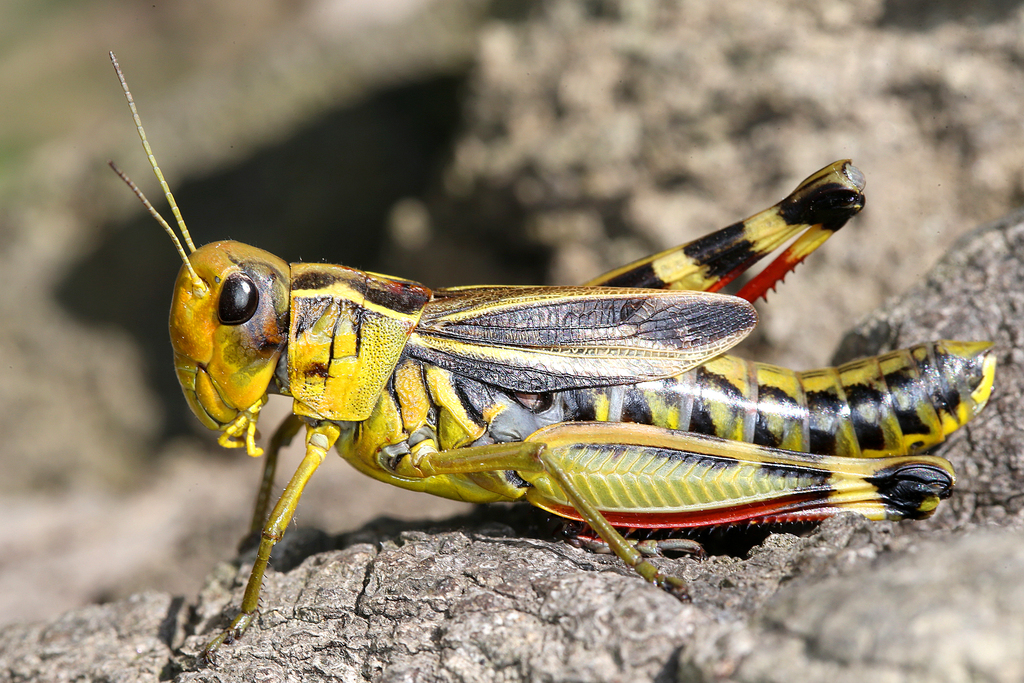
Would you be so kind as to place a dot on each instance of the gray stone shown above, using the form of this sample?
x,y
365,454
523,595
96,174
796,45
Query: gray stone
x,y
127,641
950,609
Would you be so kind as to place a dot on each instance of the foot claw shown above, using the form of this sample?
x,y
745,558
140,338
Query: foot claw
x,y
227,636
676,587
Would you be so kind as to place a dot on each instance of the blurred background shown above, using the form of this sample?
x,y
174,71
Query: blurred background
x,y
450,142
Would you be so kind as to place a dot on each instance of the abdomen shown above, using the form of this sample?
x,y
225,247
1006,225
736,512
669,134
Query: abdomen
x,y
898,403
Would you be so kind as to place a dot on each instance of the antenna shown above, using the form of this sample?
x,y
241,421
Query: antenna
x,y
197,282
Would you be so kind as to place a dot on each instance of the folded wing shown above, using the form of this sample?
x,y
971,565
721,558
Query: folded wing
x,y
538,339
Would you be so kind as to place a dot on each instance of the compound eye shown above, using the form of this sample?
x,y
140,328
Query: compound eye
x,y
239,299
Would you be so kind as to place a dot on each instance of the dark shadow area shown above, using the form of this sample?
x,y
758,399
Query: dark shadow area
x,y
920,15
324,195
735,540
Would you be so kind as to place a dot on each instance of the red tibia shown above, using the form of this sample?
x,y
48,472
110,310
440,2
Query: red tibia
x,y
772,275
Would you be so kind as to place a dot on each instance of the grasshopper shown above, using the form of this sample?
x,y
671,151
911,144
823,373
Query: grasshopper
x,y
610,403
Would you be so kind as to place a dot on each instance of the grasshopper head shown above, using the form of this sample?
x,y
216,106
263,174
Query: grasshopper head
x,y
229,334
229,317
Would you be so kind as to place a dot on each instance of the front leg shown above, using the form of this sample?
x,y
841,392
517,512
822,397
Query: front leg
x,y
319,440
281,438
